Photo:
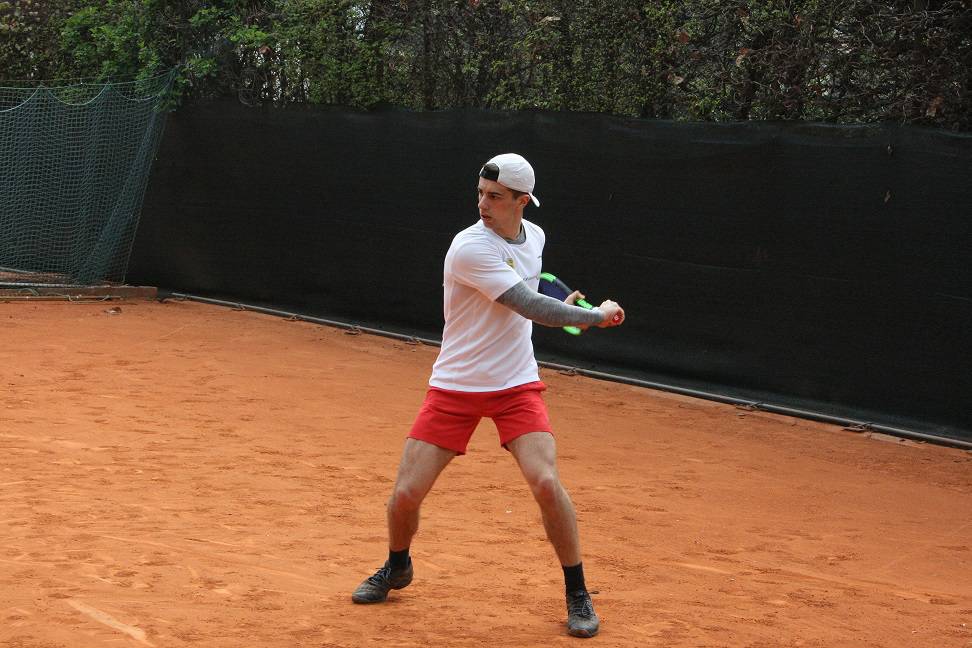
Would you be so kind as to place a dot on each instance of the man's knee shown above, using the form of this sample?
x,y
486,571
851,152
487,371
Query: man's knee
x,y
546,487
405,498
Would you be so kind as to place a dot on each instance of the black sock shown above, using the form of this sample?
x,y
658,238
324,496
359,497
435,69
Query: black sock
x,y
398,560
574,578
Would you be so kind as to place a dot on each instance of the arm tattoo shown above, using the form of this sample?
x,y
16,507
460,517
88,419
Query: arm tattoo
x,y
547,310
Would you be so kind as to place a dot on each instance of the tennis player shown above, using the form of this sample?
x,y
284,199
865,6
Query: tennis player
x,y
486,367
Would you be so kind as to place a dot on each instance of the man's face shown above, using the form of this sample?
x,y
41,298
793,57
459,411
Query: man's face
x,y
499,210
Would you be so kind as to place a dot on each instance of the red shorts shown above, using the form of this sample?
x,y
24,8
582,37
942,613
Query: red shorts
x,y
448,418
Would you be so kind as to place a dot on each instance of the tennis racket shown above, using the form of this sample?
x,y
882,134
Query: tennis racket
x,y
551,286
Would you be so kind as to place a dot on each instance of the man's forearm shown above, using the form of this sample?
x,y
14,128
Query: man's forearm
x,y
547,310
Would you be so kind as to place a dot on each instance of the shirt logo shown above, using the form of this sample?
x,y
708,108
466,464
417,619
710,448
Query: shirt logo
x,y
509,262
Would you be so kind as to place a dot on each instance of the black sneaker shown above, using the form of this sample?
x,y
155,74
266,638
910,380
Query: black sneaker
x,y
375,588
581,619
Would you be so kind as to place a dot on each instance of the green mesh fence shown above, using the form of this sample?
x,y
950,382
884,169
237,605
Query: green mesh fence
x,y
74,163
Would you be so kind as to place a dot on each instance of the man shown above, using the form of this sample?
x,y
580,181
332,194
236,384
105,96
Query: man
x,y
486,367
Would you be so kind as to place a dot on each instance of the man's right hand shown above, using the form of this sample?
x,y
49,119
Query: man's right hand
x,y
613,314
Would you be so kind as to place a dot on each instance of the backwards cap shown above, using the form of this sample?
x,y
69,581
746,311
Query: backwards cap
x,y
512,171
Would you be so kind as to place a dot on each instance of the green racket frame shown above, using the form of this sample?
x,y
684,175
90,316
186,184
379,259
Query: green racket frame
x,y
583,303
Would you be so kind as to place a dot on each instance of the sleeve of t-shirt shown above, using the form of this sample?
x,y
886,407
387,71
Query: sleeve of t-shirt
x,y
480,266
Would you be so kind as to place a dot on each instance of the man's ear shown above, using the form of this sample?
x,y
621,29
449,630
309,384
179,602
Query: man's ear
x,y
523,200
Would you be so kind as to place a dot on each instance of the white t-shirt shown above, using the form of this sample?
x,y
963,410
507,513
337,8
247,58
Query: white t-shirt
x,y
487,346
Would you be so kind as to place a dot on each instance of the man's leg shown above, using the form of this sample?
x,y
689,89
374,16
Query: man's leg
x,y
421,464
536,454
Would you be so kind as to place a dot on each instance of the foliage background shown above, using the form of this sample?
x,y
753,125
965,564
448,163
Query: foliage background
x,y
838,60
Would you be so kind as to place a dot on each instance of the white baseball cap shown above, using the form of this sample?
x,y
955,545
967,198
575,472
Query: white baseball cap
x,y
512,171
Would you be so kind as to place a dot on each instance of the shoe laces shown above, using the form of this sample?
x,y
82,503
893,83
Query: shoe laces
x,y
381,576
579,603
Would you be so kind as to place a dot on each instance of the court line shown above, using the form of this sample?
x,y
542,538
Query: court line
x,y
103,617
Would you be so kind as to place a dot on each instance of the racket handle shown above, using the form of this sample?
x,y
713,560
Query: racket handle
x,y
617,318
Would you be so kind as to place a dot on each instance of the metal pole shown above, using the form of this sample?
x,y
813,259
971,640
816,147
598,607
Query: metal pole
x,y
857,426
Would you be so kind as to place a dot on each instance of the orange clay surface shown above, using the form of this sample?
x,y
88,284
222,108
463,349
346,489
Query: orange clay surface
x,y
180,474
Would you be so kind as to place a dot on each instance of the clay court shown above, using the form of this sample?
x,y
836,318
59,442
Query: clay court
x,y
179,474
